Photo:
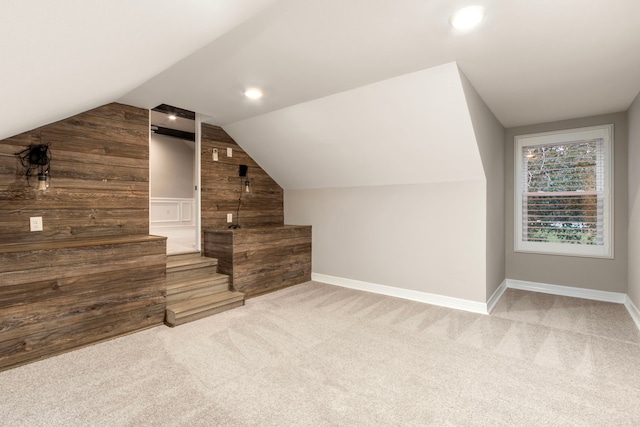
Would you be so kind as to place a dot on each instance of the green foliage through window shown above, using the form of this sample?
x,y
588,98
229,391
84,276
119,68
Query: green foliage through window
x,y
562,199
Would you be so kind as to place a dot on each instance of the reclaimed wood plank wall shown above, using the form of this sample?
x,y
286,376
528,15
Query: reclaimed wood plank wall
x,y
263,259
99,178
63,295
221,186
93,272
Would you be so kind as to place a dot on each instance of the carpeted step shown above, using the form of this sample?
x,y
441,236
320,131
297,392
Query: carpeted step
x,y
197,308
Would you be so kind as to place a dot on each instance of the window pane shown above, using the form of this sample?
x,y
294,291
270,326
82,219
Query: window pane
x,y
561,203
562,219
561,167
563,192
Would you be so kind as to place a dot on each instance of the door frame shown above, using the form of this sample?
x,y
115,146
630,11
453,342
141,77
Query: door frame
x,y
198,181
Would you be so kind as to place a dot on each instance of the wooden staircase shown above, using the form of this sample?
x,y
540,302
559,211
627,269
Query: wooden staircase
x,y
196,290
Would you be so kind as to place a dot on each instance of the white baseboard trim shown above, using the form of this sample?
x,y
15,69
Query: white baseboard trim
x,y
633,311
567,291
443,301
478,307
491,304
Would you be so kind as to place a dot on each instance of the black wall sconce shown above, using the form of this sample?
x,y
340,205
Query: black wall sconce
x,y
243,174
244,185
37,160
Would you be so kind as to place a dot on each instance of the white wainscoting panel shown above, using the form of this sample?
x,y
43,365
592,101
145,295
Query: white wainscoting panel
x,y
171,212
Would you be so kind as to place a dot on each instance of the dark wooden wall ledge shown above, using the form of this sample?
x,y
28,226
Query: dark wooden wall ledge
x,y
262,259
78,242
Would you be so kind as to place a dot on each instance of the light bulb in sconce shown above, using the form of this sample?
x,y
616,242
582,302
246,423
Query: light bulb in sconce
x,y
243,172
42,182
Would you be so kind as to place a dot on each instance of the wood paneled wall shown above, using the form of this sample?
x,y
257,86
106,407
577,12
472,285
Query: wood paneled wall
x,y
263,259
99,178
61,295
221,186
93,273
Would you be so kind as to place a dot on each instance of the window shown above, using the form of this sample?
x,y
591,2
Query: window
x,y
564,192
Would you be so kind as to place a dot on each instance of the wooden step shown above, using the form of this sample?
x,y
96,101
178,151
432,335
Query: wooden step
x,y
197,308
195,293
214,280
206,271
177,263
199,287
189,255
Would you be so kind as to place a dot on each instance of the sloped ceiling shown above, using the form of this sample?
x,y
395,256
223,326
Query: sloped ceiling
x,y
63,57
409,129
530,61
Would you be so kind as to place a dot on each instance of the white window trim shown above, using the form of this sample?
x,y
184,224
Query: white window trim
x,y
597,251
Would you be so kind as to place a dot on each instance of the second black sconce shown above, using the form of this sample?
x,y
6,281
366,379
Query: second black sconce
x,y
243,174
244,184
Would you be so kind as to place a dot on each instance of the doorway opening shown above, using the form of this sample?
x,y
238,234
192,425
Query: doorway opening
x,y
173,178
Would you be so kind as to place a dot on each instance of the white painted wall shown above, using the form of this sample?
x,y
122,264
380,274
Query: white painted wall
x,y
490,139
391,178
598,274
171,167
427,237
634,203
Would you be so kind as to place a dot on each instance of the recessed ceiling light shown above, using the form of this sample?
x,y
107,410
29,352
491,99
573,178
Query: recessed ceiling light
x,y
172,117
253,93
467,17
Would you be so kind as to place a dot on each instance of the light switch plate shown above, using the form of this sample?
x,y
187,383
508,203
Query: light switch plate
x,y
229,152
36,223
230,217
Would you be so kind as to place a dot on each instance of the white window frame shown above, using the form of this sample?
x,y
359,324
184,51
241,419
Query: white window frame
x,y
558,137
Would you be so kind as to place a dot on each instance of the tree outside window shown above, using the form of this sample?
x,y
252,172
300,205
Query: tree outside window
x,y
563,192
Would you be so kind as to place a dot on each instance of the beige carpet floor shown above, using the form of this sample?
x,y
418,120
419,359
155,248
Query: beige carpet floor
x,y
319,355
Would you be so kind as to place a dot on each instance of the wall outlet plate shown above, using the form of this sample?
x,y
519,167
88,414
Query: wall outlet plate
x,y
35,223
230,217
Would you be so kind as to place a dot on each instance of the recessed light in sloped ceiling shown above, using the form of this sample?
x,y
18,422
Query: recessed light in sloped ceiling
x,y
33,95
467,18
416,125
253,93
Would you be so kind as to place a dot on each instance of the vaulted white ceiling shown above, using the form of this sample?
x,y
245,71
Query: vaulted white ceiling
x,y
319,62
